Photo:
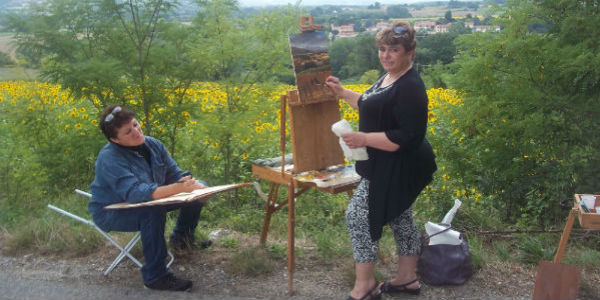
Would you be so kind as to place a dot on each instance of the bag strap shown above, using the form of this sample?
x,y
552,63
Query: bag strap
x,y
441,231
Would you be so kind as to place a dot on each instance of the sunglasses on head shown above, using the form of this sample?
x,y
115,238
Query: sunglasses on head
x,y
400,29
111,116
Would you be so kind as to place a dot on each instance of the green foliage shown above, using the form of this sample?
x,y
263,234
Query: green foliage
x,y
128,52
18,73
529,115
434,76
352,57
5,60
251,262
53,235
229,242
369,77
534,249
436,47
398,11
331,244
582,256
40,156
277,251
502,250
479,254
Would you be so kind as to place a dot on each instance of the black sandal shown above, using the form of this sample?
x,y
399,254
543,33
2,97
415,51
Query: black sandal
x,y
369,295
389,288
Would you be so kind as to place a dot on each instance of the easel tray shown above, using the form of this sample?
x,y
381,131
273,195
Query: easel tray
x,y
587,220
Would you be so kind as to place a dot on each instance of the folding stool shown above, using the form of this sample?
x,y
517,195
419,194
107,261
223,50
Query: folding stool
x,y
124,250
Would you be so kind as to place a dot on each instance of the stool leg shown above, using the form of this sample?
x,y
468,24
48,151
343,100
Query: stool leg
x,y
124,251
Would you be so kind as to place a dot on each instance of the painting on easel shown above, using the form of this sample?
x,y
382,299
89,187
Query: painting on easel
x,y
311,66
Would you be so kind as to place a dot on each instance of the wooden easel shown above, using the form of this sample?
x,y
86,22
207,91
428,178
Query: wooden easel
x,y
559,281
284,175
314,147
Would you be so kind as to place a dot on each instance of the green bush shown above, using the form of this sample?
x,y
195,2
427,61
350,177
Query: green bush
x,y
534,249
369,77
5,60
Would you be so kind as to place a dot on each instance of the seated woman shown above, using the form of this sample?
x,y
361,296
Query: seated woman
x,y
135,168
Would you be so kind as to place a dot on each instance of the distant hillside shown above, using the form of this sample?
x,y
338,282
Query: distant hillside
x,y
7,5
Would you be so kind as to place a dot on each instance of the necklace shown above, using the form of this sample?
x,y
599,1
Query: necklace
x,y
389,78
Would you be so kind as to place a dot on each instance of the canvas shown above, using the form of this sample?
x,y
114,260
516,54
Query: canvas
x,y
311,66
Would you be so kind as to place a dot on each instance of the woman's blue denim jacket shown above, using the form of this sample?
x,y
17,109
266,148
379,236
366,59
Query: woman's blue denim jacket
x,y
123,175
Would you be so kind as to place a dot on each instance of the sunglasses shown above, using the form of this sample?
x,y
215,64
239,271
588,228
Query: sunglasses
x,y
111,116
400,29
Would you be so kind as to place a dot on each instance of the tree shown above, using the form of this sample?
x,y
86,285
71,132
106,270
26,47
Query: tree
x,y
448,16
531,114
358,26
238,53
376,5
398,11
103,50
458,28
128,52
5,60
351,57
440,47
370,76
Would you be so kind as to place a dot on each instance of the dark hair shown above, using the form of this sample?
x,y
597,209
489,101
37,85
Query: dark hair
x,y
112,118
401,33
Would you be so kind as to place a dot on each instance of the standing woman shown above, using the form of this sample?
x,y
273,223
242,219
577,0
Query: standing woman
x,y
392,125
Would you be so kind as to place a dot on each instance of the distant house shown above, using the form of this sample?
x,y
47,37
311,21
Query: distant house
x,y
440,28
344,30
424,26
486,28
381,26
482,28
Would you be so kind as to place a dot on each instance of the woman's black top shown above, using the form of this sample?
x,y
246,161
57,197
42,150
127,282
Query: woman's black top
x,y
396,178
141,150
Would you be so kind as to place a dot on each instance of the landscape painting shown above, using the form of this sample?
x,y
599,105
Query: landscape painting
x,y
311,65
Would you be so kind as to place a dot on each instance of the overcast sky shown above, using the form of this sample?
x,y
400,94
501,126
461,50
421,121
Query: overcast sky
x,y
323,2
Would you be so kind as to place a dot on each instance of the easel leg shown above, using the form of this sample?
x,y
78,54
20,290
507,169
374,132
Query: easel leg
x,y
269,210
291,242
564,238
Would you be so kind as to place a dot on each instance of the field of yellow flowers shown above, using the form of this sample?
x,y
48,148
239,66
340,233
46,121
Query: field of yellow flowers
x,y
80,114
215,130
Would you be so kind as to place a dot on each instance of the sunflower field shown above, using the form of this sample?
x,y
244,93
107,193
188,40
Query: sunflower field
x,y
50,139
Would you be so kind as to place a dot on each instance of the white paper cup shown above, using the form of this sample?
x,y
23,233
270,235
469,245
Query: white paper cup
x,y
589,200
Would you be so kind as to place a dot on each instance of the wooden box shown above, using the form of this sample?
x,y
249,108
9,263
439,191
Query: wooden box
x,y
589,220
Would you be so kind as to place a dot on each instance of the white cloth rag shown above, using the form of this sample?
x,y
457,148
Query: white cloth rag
x,y
342,127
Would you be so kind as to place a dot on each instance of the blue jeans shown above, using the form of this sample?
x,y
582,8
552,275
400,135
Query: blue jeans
x,y
150,221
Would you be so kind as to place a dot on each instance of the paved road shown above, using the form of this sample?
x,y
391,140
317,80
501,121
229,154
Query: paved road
x,y
12,287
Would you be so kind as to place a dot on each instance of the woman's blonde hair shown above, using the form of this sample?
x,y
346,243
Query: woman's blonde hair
x,y
401,33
